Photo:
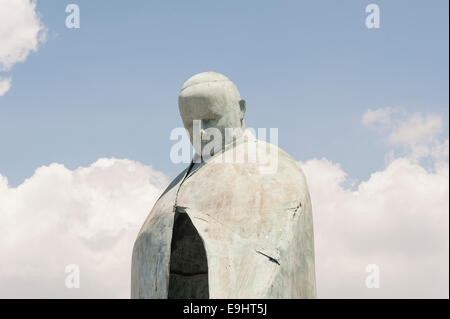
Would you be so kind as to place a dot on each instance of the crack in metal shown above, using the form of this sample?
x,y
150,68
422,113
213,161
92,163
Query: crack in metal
x,y
270,258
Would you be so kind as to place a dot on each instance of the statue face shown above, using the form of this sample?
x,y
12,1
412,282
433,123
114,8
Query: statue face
x,y
215,101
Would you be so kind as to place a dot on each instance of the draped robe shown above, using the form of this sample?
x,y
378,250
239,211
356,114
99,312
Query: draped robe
x,y
226,230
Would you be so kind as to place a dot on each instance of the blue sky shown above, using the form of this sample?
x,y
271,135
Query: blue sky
x,y
359,107
309,68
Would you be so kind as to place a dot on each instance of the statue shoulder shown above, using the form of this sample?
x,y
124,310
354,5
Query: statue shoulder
x,y
279,164
273,180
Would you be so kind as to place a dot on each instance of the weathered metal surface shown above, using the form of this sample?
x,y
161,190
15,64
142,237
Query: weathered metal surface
x,y
243,234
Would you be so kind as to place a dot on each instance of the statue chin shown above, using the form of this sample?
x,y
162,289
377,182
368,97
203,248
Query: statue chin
x,y
228,229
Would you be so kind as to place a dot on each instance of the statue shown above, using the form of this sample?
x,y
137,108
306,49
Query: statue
x,y
227,229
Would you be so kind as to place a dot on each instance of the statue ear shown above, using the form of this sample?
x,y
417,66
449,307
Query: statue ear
x,y
243,108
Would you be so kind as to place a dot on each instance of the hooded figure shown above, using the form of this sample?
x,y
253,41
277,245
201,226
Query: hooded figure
x,y
237,223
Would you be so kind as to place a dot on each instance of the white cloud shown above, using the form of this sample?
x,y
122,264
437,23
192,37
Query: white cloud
x,y
89,216
397,219
21,32
5,85
416,135
378,116
416,129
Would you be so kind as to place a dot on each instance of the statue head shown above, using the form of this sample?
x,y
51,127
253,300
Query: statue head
x,y
214,100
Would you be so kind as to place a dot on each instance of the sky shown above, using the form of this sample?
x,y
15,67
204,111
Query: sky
x,y
364,112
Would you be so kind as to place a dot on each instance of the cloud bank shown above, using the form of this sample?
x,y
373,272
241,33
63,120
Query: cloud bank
x,y
90,216
21,32
397,219
416,135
